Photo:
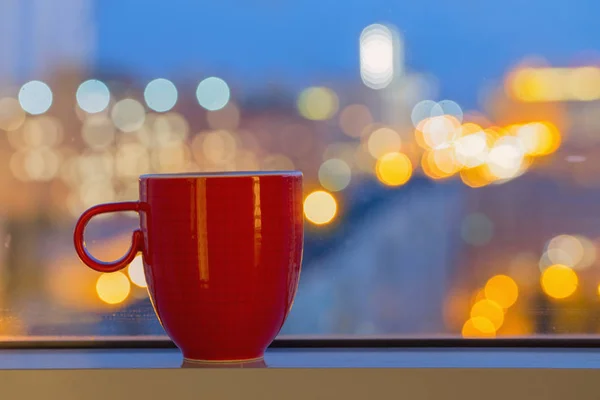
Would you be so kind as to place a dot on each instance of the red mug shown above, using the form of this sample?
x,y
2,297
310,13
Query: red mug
x,y
222,256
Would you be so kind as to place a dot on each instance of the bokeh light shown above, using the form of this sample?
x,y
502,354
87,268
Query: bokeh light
x,y
472,149
566,250
477,229
334,175
447,107
394,169
12,115
478,327
160,95
128,115
382,141
502,290
320,207
136,272
439,131
559,281
213,93
376,56
354,119
93,96
421,111
277,162
35,97
490,310
98,132
317,103
113,288
539,138
505,159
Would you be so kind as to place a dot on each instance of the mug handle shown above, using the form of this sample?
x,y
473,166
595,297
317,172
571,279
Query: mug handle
x,y
137,238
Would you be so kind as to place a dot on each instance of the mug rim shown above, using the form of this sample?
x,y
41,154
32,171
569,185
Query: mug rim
x,y
220,174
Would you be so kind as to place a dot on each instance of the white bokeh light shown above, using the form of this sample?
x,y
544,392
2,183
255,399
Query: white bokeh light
x,y
160,95
213,93
376,56
128,115
421,111
334,175
447,107
93,96
35,97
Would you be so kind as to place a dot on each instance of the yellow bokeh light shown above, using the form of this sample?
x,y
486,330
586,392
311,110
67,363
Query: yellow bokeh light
x,y
477,177
559,281
489,309
394,169
479,327
320,207
12,115
383,141
583,84
113,288
317,103
502,290
539,138
136,272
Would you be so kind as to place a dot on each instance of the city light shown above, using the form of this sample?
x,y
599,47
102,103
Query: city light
x,y
478,327
136,272
377,56
113,288
354,119
490,310
160,95
554,84
505,159
35,97
439,131
502,290
421,111
559,281
320,207
447,107
92,96
539,138
128,115
213,93
12,115
219,146
317,103
394,169
382,141
98,131
334,175
277,162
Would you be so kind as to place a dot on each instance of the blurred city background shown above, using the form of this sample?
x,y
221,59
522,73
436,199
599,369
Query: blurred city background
x,y
448,150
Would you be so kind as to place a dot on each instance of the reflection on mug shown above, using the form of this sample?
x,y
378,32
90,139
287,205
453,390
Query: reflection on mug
x,y
260,363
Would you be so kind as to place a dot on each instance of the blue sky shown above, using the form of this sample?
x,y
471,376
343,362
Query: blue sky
x,y
465,43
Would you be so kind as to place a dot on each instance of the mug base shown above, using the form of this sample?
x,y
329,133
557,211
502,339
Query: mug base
x,y
258,362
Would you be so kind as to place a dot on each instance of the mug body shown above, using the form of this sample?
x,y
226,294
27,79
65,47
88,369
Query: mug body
x,y
222,257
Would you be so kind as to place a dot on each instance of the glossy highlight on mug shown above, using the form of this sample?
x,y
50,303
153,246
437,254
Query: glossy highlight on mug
x,y
222,257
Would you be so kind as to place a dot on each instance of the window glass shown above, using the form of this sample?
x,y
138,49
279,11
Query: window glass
x,y
448,152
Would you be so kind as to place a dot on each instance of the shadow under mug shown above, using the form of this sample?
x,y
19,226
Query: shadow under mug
x,y
222,256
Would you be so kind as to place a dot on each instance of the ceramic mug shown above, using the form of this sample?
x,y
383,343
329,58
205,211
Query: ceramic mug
x,y
222,256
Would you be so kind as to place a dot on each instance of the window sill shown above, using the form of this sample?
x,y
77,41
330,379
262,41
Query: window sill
x,y
361,373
